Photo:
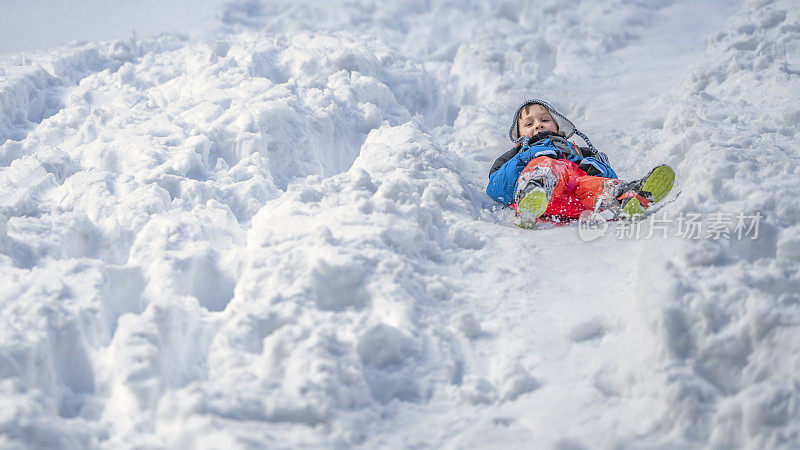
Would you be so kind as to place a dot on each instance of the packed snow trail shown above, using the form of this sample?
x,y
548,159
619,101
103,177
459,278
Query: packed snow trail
x,y
277,237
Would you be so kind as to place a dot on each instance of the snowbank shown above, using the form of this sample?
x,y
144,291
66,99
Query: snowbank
x,y
724,312
278,237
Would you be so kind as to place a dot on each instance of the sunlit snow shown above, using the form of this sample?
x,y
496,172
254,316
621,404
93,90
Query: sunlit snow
x,y
262,224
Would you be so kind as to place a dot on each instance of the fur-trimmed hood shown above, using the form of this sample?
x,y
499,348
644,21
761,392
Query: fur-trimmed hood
x,y
565,126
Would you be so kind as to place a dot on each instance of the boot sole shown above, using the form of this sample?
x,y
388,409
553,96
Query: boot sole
x,y
658,183
531,207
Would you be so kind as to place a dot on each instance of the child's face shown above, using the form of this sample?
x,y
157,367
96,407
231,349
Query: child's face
x,y
535,118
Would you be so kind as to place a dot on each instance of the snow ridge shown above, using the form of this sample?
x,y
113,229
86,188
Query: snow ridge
x,y
277,237
725,318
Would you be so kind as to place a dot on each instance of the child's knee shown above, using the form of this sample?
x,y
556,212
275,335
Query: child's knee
x,y
543,161
590,188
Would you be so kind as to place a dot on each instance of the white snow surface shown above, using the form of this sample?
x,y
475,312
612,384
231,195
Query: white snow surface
x,y
272,232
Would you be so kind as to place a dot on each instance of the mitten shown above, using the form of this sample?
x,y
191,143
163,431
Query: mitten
x,y
595,168
549,152
574,157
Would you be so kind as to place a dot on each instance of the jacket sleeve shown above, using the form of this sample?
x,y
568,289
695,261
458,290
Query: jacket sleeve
x,y
596,163
504,173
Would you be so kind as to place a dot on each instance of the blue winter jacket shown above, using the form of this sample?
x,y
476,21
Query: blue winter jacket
x,y
506,169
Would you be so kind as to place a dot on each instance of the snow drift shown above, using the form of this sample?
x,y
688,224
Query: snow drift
x,y
277,237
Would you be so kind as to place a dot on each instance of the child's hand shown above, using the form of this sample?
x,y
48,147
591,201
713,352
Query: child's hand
x,y
549,152
593,167
574,157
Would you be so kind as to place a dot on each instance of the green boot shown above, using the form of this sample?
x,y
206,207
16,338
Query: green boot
x,y
531,207
636,197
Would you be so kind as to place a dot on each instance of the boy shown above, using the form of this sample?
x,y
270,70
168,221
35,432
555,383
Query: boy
x,y
545,174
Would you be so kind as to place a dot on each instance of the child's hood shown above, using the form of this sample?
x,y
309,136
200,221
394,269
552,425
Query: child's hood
x,y
565,126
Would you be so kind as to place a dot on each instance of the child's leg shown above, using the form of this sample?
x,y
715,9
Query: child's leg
x,y
596,192
540,171
558,177
565,207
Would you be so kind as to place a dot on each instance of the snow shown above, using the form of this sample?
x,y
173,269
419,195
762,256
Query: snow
x,y
262,225
39,25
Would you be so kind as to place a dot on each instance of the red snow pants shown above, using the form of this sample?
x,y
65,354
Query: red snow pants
x,y
574,191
